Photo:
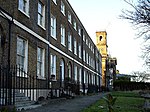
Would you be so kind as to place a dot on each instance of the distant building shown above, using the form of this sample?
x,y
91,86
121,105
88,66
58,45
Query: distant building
x,y
101,43
123,77
108,63
110,71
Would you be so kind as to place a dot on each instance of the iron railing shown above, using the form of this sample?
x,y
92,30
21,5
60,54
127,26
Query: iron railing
x,y
16,81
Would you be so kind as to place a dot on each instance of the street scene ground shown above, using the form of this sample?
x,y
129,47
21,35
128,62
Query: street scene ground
x,y
127,101
68,105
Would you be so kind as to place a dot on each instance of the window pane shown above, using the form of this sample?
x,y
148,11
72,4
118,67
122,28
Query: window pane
x,y
41,14
20,52
39,8
53,65
21,4
40,62
39,54
62,8
53,26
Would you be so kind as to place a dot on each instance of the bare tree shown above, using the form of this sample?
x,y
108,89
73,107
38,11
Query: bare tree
x,y
139,16
138,76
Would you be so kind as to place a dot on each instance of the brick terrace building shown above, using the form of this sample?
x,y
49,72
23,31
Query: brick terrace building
x,y
48,40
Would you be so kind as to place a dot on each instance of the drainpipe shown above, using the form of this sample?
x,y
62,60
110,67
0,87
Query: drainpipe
x,y
83,85
10,75
8,79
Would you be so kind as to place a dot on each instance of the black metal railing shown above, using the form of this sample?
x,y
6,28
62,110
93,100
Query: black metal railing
x,y
16,81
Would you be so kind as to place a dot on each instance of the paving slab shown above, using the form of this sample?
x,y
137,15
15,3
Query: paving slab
x,y
68,105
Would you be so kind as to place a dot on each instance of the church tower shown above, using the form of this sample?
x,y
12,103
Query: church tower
x,y
101,43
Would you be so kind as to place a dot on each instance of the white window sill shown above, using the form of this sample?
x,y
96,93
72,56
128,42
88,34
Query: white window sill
x,y
53,37
70,22
24,13
63,44
70,50
40,77
42,27
63,13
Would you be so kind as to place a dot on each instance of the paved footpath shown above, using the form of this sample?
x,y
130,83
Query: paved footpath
x,y
68,105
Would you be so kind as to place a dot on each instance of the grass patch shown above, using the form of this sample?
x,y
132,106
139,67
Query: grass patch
x,y
129,101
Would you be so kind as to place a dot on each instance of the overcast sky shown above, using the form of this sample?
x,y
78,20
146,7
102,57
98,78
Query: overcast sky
x,y
98,15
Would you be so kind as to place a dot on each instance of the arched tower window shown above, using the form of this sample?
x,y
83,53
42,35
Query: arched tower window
x,y
100,38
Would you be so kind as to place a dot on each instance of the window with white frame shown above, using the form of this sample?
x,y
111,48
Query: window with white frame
x,y
86,41
79,30
53,65
69,70
62,8
69,41
22,53
62,35
79,51
84,37
53,26
24,6
62,70
40,62
93,50
90,79
84,55
89,45
80,75
87,58
93,63
97,80
96,65
74,24
75,73
41,14
69,16
85,78
93,79
75,47
55,1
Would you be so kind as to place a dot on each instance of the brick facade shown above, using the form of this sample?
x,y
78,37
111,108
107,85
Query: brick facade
x,y
26,27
